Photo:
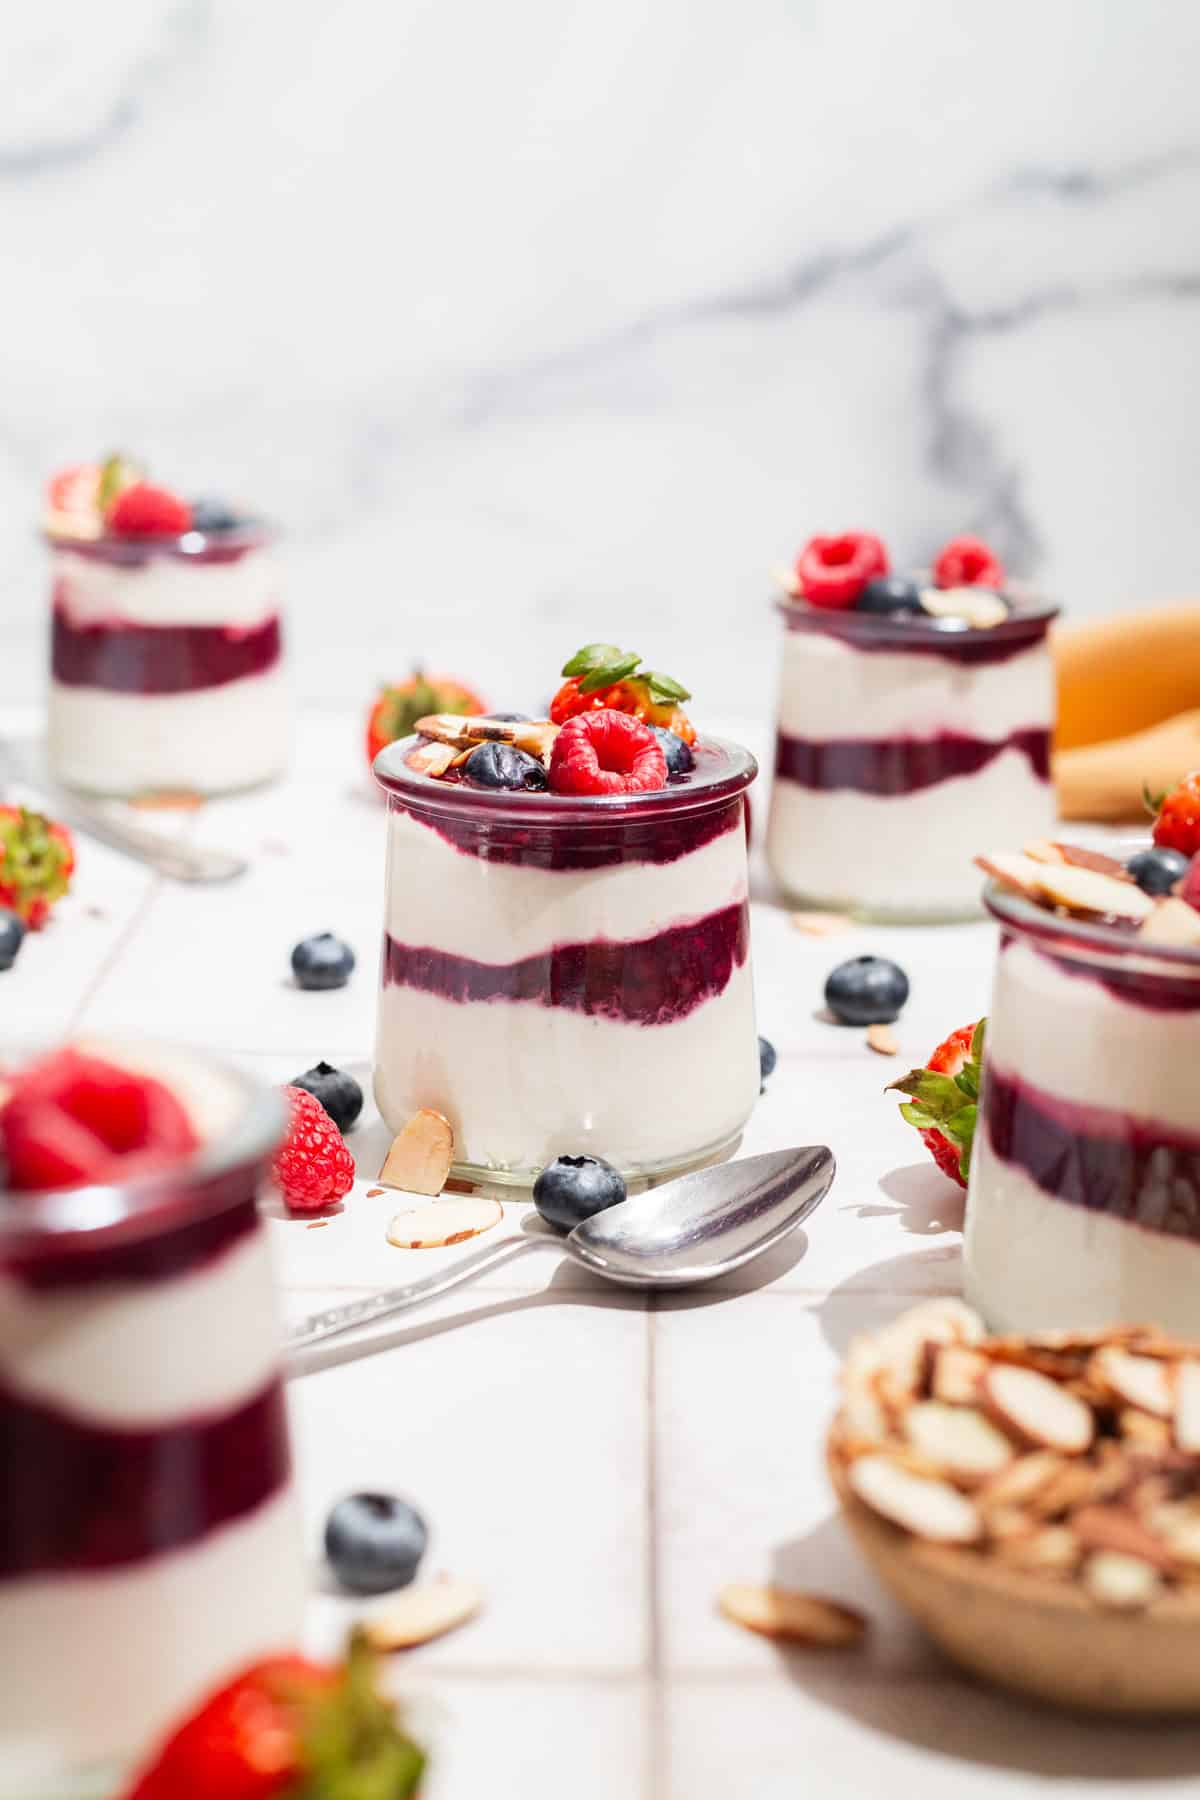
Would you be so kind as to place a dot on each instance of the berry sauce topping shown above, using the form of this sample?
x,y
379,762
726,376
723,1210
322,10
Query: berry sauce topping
x,y
608,753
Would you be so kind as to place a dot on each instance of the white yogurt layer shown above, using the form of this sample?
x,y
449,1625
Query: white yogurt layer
x,y
903,853
138,1353
445,899
1073,1039
209,741
168,590
103,1663
1034,1263
523,1083
829,690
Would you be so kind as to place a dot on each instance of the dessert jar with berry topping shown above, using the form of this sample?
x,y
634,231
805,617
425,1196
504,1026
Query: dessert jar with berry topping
x,y
566,962
1083,1203
149,1536
166,650
909,707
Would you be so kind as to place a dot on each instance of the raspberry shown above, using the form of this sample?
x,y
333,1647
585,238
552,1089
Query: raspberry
x,y
606,753
1177,826
73,1118
967,562
833,571
143,511
314,1166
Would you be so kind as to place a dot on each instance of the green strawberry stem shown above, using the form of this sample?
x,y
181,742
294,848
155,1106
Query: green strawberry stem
x,y
947,1103
354,1746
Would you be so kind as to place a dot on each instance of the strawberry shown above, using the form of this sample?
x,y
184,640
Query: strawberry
x,y
602,678
833,571
944,1099
143,511
1177,826
291,1728
396,709
37,860
313,1166
72,1119
606,753
967,562
78,497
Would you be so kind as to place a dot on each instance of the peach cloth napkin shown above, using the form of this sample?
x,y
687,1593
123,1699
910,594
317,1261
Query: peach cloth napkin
x,y
1128,710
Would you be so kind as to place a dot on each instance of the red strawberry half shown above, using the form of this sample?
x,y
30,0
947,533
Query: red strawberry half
x,y
72,1119
944,1099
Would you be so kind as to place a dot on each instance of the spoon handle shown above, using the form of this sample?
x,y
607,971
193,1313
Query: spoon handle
x,y
334,1319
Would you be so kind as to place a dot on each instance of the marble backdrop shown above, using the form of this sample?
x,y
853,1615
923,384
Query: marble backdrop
x,y
555,320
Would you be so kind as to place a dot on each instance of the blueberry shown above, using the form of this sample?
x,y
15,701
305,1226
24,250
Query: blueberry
x,y
508,718
890,594
214,515
572,1188
1156,871
12,936
867,990
338,1092
678,754
322,962
766,1058
374,1542
504,766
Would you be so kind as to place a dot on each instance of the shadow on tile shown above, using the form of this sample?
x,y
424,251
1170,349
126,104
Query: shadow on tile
x,y
902,1280
924,1201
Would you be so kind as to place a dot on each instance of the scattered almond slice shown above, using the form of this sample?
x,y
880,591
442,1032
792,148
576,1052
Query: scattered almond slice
x,y
956,1374
883,1040
1187,1408
430,759
977,607
445,1222
921,1504
1121,1581
1117,1528
420,1157
1172,921
418,1614
1140,1381
821,924
957,1439
1038,1409
797,1618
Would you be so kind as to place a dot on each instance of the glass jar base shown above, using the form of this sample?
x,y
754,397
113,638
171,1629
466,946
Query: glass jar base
x,y
872,912
636,1175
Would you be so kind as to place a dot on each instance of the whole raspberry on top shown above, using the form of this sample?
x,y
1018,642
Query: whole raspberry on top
x,y
967,562
144,511
944,1098
1177,826
313,1166
833,571
606,753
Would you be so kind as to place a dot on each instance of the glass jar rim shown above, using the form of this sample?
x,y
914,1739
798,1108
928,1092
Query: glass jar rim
x,y
1031,617
1016,913
709,787
255,534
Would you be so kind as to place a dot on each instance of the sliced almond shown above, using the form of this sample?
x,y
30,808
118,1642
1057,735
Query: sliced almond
x,y
1172,921
821,924
1080,858
1037,1408
1087,892
1042,850
1078,1484
784,1613
1021,1480
1020,874
901,1348
863,1416
431,759
1140,1381
1049,1549
927,1507
957,1439
1187,1408
533,735
446,1222
420,1157
1143,1429
1121,1581
1179,1528
418,1614
977,607
956,1374
883,1040
1118,1528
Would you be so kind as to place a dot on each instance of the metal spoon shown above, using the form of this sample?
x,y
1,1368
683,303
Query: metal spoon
x,y
688,1231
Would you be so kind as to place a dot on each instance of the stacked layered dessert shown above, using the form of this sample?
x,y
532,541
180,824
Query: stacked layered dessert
x,y
566,954
909,706
147,1536
166,666
1084,1196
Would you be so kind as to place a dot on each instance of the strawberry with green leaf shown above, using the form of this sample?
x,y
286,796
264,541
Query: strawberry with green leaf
x,y
944,1099
603,677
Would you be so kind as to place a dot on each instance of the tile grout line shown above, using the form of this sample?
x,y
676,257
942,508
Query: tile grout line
x,y
655,1755
116,951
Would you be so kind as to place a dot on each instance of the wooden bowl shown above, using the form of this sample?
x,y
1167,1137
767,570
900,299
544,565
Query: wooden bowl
x,y
1036,1636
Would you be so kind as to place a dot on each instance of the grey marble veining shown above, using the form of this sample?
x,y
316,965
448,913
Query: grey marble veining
x,y
547,323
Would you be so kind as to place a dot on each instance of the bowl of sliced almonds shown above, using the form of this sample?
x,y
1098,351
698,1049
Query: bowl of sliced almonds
x,y
1034,1502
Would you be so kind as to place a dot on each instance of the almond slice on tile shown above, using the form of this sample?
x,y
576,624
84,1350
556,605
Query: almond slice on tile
x,y
419,1614
797,1618
445,1222
883,1040
1187,1408
1118,1528
821,924
1121,1581
1140,1381
957,1439
420,1157
431,759
1172,921
921,1504
1088,892
1038,1409
956,1374
975,606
